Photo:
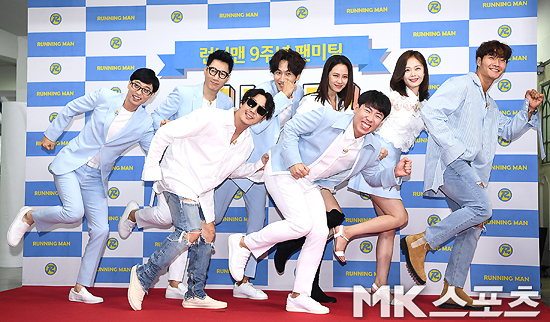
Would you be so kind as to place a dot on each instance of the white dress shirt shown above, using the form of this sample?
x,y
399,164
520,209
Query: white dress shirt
x,y
340,156
199,157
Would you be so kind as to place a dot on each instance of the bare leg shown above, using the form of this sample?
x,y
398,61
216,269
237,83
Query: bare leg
x,y
384,252
330,201
395,216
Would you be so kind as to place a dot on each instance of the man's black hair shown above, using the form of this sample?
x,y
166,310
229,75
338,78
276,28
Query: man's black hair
x,y
269,104
376,100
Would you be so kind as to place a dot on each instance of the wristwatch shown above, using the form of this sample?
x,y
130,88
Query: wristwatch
x,y
534,112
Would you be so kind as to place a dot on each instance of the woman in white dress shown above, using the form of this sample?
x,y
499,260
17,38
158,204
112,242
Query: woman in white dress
x,y
409,90
335,91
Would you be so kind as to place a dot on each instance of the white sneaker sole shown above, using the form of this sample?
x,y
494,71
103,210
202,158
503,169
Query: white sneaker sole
x,y
290,308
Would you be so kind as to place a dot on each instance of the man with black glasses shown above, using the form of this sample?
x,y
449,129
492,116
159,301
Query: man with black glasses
x,y
182,101
82,168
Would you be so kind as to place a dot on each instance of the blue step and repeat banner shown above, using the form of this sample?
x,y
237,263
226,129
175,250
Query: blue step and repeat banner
x,y
78,46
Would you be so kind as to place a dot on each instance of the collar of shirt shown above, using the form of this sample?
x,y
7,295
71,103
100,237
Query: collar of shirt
x,y
412,98
486,97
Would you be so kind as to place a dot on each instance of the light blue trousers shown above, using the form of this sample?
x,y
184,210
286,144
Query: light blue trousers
x,y
254,200
81,193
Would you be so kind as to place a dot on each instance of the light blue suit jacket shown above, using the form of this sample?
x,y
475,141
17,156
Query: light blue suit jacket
x,y
92,139
184,100
307,136
266,133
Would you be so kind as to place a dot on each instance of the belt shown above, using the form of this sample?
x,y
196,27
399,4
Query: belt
x,y
93,165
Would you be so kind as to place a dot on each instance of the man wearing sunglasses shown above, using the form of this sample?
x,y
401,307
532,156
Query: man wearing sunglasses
x,y
286,67
82,168
197,153
182,101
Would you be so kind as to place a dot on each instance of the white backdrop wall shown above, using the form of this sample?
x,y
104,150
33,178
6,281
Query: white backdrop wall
x,y
77,46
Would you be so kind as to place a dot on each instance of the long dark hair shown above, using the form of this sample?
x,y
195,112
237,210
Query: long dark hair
x,y
346,94
398,84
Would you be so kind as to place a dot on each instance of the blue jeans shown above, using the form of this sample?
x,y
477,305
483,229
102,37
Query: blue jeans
x,y
186,218
82,193
471,206
254,200
199,260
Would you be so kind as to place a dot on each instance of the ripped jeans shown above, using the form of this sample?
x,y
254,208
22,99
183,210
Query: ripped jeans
x,y
187,217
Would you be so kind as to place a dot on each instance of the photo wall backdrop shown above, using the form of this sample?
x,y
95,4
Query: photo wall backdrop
x,y
78,46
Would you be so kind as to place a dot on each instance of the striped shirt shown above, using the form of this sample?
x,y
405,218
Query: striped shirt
x,y
464,123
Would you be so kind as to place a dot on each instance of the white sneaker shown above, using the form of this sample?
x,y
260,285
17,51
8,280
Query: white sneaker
x,y
125,225
247,291
206,303
175,292
306,304
238,257
18,227
135,291
84,296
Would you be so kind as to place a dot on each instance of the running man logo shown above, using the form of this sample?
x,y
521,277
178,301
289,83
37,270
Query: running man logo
x,y
116,89
301,12
52,116
505,194
55,19
116,42
433,219
505,250
55,69
364,196
504,85
114,193
366,247
503,142
434,7
504,31
112,243
434,60
50,168
238,195
50,269
434,275
176,16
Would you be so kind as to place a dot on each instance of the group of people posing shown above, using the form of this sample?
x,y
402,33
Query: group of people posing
x,y
201,151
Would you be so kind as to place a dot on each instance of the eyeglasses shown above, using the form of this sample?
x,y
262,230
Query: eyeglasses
x,y
144,90
213,71
251,102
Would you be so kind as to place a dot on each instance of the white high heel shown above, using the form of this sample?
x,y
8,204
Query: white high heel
x,y
339,253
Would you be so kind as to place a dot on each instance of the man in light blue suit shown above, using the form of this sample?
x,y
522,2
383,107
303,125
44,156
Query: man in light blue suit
x,y
181,102
81,169
286,67
321,148
464,124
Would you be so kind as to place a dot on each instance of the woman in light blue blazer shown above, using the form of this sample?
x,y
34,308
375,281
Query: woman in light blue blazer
x,y
81,169
335,91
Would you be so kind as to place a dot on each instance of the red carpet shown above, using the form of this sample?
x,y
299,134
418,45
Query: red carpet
x,y
42,303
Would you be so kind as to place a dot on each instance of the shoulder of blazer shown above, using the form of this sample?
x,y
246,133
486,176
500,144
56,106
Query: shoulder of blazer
x,y
107,96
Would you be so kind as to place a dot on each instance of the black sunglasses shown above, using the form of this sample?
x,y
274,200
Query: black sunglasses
x,y
251,102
